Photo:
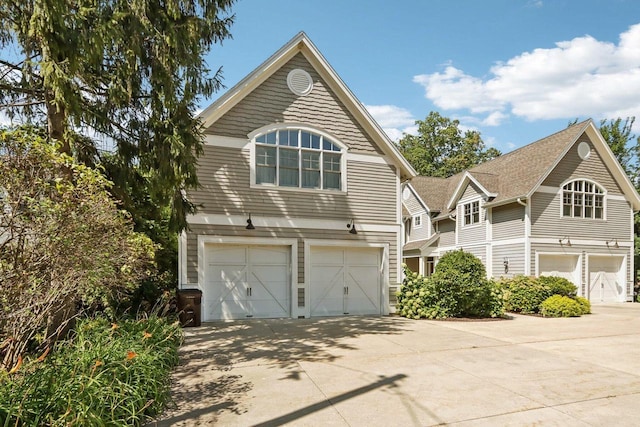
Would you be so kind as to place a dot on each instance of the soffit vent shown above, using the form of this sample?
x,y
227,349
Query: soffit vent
x,y
299,82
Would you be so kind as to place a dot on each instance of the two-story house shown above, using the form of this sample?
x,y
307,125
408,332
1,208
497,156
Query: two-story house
x,y
560,206
299,206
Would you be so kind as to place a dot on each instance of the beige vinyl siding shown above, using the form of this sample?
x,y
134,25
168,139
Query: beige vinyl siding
x,y
421,232
286,233
447,230
573,167
412,204
475,233
478,251
515,253
508,221
546,220
273,102
225,189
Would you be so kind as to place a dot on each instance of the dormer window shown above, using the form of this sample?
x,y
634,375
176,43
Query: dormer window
x,y
472,213
582,199
298,158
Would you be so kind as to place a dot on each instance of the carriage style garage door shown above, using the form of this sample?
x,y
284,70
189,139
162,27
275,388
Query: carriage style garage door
x,y
560,265
606,279
345,281
245,281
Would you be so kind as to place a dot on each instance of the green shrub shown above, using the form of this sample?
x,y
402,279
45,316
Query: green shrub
x,y
561,306
107,374
524,294
559,285
585,304
457,288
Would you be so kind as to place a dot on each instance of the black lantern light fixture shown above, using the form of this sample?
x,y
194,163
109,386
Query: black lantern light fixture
x,y
249,223
352,227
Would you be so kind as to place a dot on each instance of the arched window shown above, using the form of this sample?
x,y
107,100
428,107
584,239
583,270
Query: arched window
x,y
582,199
298,158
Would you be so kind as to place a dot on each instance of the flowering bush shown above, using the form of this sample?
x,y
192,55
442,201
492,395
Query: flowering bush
x,y
107,374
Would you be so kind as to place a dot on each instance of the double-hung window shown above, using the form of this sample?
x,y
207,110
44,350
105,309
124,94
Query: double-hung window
x,y
582,199
298,158
472,213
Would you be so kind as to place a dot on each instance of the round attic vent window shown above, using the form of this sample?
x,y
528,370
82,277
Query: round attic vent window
x,y
584,150
406,193
299,82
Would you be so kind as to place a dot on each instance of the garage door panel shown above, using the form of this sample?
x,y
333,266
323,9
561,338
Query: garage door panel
x,y
560,265
246,281
363,295
345,281
606,279
326,290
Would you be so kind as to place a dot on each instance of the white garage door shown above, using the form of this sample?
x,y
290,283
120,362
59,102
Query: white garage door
x,y
560,265
606,279
345,281
244,281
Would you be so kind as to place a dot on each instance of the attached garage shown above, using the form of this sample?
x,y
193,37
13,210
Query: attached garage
x,y
562,265
606,278
345,280
246,281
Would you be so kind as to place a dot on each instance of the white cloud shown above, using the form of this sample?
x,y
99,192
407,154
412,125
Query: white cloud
x,y
582,77
395,121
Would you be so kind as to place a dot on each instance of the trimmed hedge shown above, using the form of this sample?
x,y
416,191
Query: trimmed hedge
x,y
562,306
548,295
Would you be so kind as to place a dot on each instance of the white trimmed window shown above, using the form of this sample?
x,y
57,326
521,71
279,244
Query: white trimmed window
x,y
417,221
298,158
582,199
472,213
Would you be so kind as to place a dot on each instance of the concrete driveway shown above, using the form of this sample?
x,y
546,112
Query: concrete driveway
x,y
388,371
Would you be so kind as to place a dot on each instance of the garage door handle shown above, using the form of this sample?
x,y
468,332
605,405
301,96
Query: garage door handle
x,y
248,292
346,290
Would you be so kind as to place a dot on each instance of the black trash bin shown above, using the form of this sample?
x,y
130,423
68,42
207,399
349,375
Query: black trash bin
x,y
189,307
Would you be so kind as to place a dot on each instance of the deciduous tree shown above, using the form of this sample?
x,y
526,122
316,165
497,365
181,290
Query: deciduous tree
x,y
62,239
442,149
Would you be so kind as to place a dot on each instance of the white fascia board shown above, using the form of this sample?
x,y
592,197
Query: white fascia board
x,y
282,222
234,95
466,179
614,166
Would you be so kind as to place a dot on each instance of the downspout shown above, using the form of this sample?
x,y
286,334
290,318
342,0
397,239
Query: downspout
x,y
527,235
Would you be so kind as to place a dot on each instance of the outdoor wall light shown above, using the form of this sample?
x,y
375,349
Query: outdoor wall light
x,y
506,264
614,241
250,224
352,227
564,241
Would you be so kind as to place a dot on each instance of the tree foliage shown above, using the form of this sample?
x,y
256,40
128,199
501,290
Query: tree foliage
x,y
442,149
62,239
128,72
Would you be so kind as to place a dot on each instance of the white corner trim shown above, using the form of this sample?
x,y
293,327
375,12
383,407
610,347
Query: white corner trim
x,y
182,259
282,222
226,141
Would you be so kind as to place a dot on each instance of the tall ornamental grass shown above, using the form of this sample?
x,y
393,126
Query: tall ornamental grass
x,y
106,374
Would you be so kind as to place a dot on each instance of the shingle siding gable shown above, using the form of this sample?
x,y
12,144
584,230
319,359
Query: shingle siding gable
x,y
273,102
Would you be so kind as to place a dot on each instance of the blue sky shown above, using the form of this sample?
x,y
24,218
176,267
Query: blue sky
x,y
516,70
